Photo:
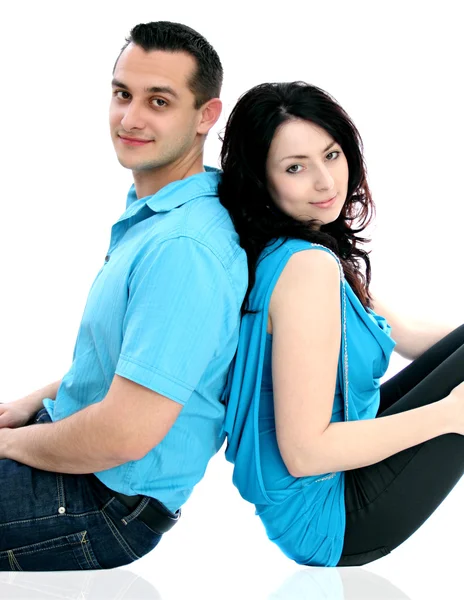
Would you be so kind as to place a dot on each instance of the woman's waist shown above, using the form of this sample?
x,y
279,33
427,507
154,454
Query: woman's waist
x,y
318,504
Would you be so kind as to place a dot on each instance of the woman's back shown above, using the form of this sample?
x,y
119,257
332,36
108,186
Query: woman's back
x,y
305,516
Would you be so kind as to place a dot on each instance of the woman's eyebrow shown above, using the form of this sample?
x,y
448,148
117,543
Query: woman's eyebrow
x,y
299,156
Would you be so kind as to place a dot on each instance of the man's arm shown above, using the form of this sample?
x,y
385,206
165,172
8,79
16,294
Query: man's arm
x,y
181,307
35,400
124,426
19,412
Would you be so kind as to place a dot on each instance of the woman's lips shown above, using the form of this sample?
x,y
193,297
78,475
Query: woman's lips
x,y
326,204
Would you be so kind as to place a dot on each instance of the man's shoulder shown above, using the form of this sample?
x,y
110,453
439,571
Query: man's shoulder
x,y
208,223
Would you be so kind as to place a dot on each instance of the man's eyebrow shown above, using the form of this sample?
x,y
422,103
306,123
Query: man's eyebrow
x,y
156,89
299,156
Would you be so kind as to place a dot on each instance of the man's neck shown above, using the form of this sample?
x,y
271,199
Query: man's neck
x,y
148,183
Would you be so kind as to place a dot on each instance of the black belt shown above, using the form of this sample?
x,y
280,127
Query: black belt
x,y
154,514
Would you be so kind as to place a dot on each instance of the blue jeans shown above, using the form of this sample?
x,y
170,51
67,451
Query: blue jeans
x,y
61,522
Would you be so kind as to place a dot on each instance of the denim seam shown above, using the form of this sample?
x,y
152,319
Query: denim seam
x,y
136,512
121,541
86,551
33,547
35,551
60,487
38,519
112,499
91,512
13,562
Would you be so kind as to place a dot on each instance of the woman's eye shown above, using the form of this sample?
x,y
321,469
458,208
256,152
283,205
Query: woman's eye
x,y
293,169
159,102
334,154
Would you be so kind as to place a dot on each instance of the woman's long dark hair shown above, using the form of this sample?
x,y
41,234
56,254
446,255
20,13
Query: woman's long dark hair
x,y
243,188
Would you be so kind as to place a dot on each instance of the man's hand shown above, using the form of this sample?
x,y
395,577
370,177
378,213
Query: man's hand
x,y
19,412
15,414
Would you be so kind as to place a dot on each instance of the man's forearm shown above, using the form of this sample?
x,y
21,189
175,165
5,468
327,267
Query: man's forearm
x,y
35,399
63,447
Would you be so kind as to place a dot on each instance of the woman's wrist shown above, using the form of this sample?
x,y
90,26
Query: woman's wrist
x,y
450,415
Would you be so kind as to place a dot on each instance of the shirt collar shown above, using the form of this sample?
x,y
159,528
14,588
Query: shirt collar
x,y
179,192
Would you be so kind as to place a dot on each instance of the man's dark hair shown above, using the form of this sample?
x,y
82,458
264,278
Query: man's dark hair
x,y
206,81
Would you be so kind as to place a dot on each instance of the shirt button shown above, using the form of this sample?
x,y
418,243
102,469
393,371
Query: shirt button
x,y
107,258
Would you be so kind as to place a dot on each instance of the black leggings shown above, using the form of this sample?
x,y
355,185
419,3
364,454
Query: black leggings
x,y
388,501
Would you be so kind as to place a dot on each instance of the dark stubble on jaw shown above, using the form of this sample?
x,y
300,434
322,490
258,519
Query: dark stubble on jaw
x,y
174,153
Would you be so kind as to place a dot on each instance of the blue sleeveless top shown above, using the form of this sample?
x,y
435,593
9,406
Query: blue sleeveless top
x,y
304,516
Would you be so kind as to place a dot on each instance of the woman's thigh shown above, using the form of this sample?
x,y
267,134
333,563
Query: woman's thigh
x,y
388,501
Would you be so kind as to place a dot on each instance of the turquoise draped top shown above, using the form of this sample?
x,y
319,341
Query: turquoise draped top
x,y
304,516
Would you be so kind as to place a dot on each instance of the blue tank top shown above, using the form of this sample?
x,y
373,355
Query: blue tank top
x,y
304,516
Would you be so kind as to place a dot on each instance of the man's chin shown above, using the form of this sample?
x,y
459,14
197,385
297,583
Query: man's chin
x,y
137,166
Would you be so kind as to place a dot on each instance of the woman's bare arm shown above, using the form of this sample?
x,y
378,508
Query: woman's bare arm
x,y
413,336
305,316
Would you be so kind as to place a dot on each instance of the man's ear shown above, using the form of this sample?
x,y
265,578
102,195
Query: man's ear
x,y
210,113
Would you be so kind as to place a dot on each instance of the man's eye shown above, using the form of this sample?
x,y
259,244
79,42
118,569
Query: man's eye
x,y
160,102
122,94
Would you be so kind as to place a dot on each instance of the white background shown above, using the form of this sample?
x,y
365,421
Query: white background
x,y
397,69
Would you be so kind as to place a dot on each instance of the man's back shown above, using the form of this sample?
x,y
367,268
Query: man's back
x,y
140,406
164,312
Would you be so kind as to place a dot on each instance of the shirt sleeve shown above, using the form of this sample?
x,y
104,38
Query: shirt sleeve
x,y
180,312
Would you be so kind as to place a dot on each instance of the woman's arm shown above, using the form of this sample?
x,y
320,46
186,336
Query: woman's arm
x,y
412,336
306,325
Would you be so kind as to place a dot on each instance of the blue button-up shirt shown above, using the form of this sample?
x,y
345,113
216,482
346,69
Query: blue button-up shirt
x,y
164,311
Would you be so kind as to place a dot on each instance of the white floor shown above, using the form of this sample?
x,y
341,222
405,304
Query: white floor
x,y
395,68
219,551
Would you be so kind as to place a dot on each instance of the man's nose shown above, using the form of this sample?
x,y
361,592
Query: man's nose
x,y
133,117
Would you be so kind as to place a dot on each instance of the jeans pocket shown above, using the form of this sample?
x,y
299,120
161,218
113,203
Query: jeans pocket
x,y
134,537
66,553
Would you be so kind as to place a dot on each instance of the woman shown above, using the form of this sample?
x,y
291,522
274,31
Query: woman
x,y
341,469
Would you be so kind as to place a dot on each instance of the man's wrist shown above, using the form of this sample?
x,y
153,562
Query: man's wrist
x,y
33,402
5,442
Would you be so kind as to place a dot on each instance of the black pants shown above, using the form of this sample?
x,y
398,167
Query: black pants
x,y
388,501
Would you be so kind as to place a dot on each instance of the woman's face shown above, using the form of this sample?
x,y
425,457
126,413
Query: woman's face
x,y
307,172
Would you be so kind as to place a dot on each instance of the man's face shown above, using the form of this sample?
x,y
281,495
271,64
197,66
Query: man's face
x,y
152,116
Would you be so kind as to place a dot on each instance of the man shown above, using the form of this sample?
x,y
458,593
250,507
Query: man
x,y
101,472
